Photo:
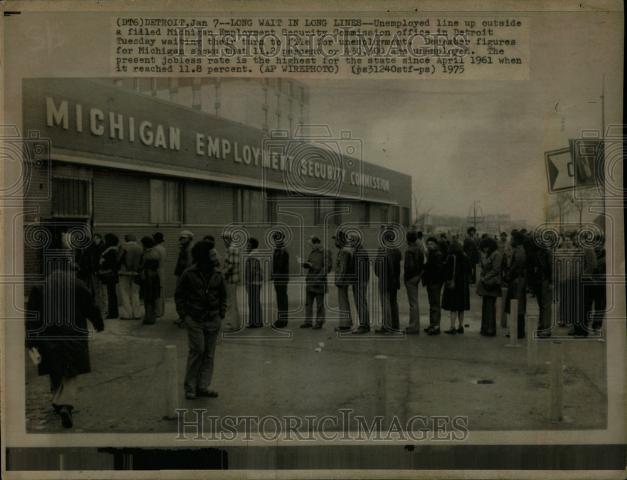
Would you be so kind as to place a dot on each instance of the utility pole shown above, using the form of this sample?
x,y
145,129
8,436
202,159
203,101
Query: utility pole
x,y
603,107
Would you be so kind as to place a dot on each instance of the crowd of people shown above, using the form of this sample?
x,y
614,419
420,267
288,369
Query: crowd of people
x,y
126,280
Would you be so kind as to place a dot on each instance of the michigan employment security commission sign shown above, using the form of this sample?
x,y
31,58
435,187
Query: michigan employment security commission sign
x,y
90,118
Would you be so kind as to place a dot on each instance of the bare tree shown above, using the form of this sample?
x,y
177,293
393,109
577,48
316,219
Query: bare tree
x,y
562,204
420,212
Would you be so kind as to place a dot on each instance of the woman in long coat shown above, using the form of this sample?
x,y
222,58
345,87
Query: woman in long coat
x,y
456,296
57,335
489,285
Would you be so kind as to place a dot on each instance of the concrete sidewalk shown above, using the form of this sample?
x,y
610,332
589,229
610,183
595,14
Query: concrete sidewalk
x,y
316,372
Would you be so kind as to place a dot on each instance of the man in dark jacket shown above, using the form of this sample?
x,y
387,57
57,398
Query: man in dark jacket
x,y
361,267
516,278
184,259
201,301
344,277
253,281
89,263
541,278
433,279
57,335
388,269
280,277
318,265
414,264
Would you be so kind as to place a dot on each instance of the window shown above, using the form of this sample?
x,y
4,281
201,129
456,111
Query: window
x,y
323,207
249,206
71,197
405,216
166,201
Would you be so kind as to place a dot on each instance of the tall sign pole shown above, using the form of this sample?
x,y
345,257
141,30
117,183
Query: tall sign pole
x,y
603,107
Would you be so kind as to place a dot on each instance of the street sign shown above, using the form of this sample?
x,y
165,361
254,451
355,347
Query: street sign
x,y
559,170
587,154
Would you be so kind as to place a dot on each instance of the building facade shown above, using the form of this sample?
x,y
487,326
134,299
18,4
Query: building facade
x,y
123,162
265,104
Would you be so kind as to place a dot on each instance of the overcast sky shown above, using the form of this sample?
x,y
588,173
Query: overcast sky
x,y
475,140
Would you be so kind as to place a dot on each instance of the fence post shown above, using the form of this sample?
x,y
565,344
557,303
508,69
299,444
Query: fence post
x,y
532,342
502,305
513,329
171,382
557,381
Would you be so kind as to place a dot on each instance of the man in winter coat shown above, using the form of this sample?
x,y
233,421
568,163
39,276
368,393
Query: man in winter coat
x,y
184,259
318,265
541,278
201,301
413,267
280,277
344,277
433,279
516,277
130,259
387,268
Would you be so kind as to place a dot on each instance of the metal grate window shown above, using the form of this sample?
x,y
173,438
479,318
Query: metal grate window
x,y
166,201
250,206
71,197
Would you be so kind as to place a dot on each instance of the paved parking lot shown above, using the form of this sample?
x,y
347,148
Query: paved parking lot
x,y
316,372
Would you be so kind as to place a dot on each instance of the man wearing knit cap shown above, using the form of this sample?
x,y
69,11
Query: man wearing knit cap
x,y
184,259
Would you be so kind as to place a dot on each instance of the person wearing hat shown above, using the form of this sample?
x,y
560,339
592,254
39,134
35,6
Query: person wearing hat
x,y
433,280
280,277
318,265
184,259
412,271
344,277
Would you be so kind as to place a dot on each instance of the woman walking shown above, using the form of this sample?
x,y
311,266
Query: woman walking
x,y
108,273
57,335
456,296
150,284
489,286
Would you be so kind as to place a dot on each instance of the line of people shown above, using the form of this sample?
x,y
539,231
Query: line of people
x,y
206,291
